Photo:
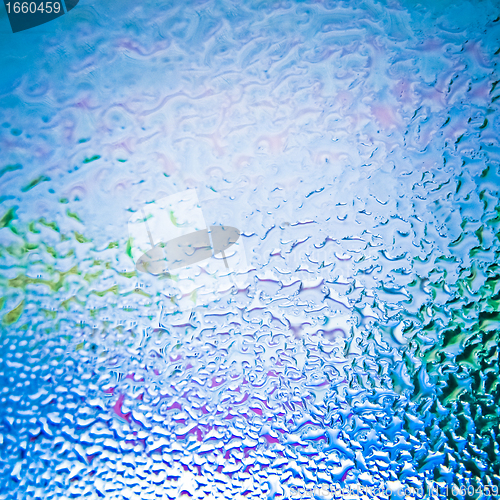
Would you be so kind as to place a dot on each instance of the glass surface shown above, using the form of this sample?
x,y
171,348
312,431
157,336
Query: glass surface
x,y
316,185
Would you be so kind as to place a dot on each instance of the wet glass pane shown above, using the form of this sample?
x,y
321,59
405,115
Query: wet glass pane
x,y
250,250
